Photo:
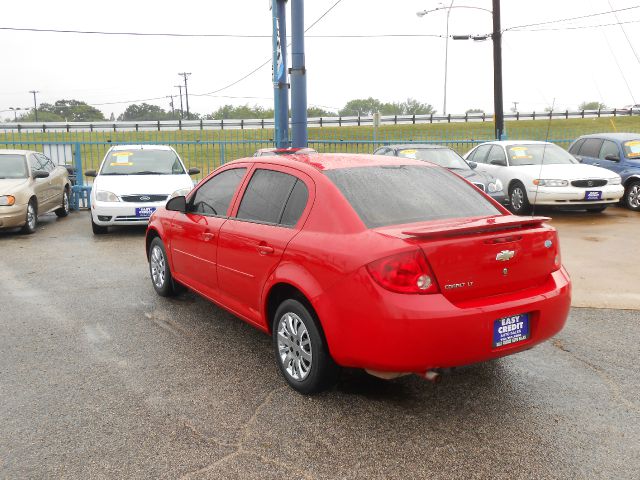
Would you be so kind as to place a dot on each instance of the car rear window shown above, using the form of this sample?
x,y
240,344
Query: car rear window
x,y
397,194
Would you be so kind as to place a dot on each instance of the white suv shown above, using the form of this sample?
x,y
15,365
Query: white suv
x,y
134,180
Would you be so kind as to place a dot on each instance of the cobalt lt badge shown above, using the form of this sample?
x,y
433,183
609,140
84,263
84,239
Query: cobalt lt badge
x,y
505,255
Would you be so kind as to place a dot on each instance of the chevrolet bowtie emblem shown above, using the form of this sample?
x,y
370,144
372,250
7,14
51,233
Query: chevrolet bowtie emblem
x,y
505,255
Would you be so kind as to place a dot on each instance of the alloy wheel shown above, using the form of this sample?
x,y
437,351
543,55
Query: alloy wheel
x,y
31,216
634,196
517,198
294,346
158,266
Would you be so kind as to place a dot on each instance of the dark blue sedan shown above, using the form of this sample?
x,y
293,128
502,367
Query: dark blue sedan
x,y
618,152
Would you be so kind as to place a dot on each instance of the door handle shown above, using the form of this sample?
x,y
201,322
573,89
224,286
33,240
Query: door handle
x,y
208,236
265,249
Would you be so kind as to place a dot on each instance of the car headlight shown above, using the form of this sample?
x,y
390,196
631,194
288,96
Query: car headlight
x,y
7,200
550,182
495,186
104,196
614,181
180,193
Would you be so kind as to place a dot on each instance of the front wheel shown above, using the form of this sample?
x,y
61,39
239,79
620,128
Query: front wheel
x,y
31,220
98,229
63,211
518,198
300,349
161,278
632,196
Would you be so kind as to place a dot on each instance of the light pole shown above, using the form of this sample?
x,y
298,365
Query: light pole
x,y
496,36
181,110
15,110
35,103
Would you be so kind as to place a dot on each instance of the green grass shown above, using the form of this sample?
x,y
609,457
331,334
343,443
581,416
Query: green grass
x,y
203,153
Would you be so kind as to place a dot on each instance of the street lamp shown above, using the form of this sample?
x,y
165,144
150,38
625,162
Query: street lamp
x,y
496,36
15,112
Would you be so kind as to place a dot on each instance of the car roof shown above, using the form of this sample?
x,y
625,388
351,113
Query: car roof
x,y
141,147
508,143
332,161
621,137
432,146
17,152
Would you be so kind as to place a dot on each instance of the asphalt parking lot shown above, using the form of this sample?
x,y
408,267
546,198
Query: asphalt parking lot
x,y
100,377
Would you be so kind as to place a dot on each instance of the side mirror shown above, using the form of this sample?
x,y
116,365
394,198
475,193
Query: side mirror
x,y
194,171
473,165
40,174
177,204
90,173
613,157
500,163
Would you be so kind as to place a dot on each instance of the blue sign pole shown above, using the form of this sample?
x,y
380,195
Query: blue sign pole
x,y
298,77
280,85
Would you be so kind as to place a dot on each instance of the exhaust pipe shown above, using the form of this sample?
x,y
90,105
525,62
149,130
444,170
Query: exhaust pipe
x,y
432,376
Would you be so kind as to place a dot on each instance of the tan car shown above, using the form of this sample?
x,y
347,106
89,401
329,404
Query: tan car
x,y
31,185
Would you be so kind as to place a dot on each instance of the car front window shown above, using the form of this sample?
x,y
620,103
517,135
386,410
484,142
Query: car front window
x,y
142,162
440,156
13,166
538,154
632,149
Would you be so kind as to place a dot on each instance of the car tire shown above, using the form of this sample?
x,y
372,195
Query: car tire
x,y
31,220
632,196
518,200
159,270
301,350
98,229
63,211
596,209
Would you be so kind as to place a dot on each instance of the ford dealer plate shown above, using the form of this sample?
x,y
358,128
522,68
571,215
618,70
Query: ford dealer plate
x,y
510,330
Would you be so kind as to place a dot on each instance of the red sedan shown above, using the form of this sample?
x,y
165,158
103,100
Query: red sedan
x,y
361,261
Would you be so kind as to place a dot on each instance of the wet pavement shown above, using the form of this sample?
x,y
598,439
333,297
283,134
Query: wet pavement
x,y
101,378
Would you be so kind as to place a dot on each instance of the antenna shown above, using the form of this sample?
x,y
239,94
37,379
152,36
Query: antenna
x,y
544,151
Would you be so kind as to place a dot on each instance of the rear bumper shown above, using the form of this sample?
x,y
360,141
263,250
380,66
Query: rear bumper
x,y
392,332
13,216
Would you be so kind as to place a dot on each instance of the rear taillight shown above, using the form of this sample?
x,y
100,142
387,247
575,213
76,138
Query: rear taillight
x,y
557,259
407,272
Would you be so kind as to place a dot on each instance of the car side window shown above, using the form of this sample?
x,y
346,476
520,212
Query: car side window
x,y
34,163
47,165
381,151
609,148
267,196
480,155
214,196
497,156
575,148
591,147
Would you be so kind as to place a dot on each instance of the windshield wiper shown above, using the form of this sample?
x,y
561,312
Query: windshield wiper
x,y
148,172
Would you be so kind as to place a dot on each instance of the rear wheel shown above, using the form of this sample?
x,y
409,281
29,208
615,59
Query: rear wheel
x,y
63,211
98,229
301,350
31,220
632,196
518,198
159,269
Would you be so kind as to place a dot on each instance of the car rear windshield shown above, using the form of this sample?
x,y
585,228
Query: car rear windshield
x,y
538,154
399,194
13,166
142,162
440,156
632,148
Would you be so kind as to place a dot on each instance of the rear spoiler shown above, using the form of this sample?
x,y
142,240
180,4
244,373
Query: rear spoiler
x,y
482,225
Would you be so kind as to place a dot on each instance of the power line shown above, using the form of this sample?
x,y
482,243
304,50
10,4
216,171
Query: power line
x,y
600,25
625,33
591,15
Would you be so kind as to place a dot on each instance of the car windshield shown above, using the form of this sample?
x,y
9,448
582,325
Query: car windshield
x,y
398,194
146,161
632,149
13,166
538,154
440,156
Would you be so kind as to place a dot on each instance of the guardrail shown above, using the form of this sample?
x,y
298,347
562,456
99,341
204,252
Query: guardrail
x,y
319,122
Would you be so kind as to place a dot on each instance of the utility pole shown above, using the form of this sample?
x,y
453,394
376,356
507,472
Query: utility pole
x,y
173,112
446,61
497,72
186,92
181,110
515,106
35,103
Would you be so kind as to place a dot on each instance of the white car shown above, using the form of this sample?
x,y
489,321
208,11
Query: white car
x,y
133,181
542,173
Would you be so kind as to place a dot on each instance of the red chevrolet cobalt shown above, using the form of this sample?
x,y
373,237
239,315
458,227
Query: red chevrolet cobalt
x,y
393,266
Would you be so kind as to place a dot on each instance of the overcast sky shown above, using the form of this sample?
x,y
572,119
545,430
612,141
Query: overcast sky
x,y
561,62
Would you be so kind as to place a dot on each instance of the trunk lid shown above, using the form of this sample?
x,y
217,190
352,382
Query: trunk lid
x,y
480,257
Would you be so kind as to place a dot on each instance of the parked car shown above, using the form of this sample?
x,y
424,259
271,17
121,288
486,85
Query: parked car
x,y
447,158
30,185
270,152
630,108
395,266
134,180
618,152
542,173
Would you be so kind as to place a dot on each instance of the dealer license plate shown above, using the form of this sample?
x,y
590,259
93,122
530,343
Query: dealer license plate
x,y
145,212
593,195
510,330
